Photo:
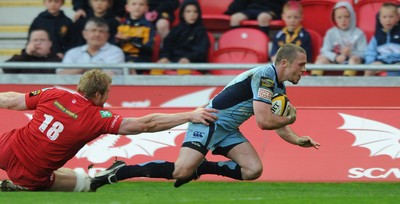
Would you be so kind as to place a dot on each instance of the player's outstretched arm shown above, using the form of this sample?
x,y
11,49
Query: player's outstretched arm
x,y
160,121
12,100
290,136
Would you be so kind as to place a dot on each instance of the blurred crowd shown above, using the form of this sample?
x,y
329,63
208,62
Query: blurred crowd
x,y
173,31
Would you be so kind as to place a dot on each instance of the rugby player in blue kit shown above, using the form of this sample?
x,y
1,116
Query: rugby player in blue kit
x,y
250,93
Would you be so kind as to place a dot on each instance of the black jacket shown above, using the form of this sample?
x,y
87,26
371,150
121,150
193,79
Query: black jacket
x,y
59,29
185,40
164,7
274,6
24,57
118,7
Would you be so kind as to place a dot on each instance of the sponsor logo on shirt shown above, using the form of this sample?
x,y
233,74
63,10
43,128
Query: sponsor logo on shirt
x,y
266,82
115,120
264,93
34,93
65,110
105,114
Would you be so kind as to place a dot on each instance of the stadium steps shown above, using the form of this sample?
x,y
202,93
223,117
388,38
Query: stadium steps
x,y
15,18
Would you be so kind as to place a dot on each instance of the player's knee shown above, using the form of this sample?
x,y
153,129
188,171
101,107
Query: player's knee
x,y
82,182
182,172
252,173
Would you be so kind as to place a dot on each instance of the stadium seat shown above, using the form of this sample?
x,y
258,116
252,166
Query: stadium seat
x,y
240,45
317,15
366,11
213,15
316,40
275,24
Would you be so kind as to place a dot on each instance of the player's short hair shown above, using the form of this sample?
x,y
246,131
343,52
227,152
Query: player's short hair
x,y
94,81
289,52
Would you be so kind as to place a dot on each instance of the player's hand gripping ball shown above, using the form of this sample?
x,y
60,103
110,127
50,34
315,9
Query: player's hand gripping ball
x,y
281,105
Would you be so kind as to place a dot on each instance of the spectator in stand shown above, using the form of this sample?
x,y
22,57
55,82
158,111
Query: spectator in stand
x,y
97,50
344,43
384,47
99,8
57,24
188,41
136,34
82,7
293,32
162,14
261,10
38,49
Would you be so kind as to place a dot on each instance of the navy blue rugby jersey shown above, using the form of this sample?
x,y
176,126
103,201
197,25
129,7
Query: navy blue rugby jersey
x,y
235,101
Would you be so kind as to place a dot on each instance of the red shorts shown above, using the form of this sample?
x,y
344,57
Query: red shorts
x,y
19,173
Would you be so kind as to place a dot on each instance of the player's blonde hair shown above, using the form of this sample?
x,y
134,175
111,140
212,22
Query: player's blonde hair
x,y
92,82
289,52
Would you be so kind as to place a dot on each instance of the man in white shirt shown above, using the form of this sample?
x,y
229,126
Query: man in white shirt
x,y
97,50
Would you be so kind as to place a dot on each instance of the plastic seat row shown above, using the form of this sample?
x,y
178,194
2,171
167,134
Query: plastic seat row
x,y
317,15
241,45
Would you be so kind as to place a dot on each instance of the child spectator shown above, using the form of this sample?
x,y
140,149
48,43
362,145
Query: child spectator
x,y
82,7
261,10
96,50
57,24
379,25
344,43
38,49
99,8
162,14
384,47
293,32
136,34
188,41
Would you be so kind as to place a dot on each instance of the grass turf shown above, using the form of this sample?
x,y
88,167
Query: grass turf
x,y
219,192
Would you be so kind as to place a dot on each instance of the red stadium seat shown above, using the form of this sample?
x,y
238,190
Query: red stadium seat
x,y
213,15
366,11
276,24
316,40
240,45
317,15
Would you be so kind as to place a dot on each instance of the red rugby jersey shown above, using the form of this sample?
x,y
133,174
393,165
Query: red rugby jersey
x,y
62,124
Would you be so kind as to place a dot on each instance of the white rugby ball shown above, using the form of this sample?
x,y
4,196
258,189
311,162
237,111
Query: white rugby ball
x,y
280,104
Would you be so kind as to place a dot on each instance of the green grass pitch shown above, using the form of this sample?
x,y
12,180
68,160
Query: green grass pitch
x,y
219,192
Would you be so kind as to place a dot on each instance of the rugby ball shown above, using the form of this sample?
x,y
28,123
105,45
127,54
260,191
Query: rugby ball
x,y
280,104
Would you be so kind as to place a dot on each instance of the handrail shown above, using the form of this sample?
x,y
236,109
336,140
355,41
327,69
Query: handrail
x,y
197,66
192,80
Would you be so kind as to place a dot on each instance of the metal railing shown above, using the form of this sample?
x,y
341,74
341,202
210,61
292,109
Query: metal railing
x,y
189,80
